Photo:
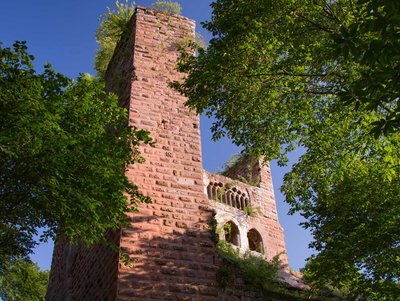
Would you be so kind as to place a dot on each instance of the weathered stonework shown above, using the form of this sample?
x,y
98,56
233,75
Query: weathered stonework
x,y
168,241
258,213
78,273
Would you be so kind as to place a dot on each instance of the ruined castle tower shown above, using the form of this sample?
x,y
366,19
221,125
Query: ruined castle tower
x,y
168,241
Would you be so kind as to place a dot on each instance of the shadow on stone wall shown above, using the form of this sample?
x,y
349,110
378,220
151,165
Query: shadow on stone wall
x,y
82,273
169,262
182,264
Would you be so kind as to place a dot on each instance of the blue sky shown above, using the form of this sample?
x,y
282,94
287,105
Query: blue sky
x,y
62,33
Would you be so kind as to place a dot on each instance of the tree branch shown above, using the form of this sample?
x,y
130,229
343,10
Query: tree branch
x,y
284,73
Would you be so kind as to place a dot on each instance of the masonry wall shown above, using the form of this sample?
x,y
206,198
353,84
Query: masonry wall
x,y
168,242
262,216
248,169
81,273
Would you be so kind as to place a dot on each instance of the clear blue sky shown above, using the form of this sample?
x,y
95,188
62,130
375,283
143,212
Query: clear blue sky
x,y
62,33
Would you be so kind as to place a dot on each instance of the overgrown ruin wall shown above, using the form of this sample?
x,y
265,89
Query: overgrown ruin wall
x,y
168,241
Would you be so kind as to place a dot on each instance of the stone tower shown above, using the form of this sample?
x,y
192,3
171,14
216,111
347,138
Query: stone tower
x,y
168,241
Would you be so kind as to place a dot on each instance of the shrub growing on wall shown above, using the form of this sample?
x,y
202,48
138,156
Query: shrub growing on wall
x,y
168,7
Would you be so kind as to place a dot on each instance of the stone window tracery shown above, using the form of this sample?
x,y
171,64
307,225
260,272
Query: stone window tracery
x,y
228,195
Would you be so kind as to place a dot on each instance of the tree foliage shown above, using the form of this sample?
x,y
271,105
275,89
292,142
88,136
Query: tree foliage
x,y
265,52
64,147
23,280
323,75
350,200
113,25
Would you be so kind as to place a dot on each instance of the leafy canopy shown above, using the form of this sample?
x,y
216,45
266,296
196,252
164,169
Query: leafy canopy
x,y
23,280
64,147
323,75
286,61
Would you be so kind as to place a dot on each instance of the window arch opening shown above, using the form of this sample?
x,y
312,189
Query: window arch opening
x,y
255,241
231,233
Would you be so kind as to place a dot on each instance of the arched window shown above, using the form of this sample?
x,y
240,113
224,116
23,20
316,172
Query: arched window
x,y
255,241
231,233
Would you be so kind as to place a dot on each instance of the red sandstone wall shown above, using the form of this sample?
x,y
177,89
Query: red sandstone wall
x,y
81,273
263,198
168,242
265,220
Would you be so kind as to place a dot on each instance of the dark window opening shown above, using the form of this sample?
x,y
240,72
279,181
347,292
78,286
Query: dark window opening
x,y
255,241
231,232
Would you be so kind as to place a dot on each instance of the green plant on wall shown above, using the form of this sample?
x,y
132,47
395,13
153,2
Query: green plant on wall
x,y
224,230
168,7
244,163
221,190
213,226
252,210
260,272
228,252
232,161
113,25
230,185
225,275
249,180
227,228
216,231
256,270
